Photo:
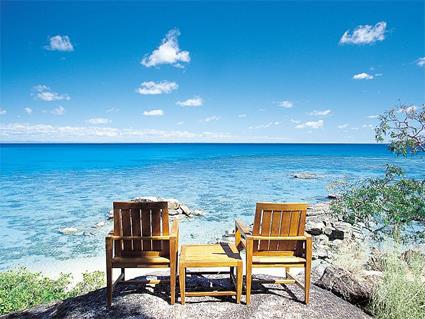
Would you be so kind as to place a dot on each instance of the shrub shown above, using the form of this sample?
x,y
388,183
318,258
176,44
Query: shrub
x,y
21,289
401,293
392,199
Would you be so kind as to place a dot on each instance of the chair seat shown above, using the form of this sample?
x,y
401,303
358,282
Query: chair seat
x,y
145,260
277,260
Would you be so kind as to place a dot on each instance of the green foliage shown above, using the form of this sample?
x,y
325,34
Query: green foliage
x,y
401,294
21,289
392,199
405,126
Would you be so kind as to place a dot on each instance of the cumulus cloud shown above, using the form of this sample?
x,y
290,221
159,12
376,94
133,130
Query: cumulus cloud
x,y
168,52
420,62
28,110
59,43
365,34
262,126
99,121
44,93
211,118
342,126
311,124
60,110
2,111
196,101
157,112
363,76
154,88
286,104
320,113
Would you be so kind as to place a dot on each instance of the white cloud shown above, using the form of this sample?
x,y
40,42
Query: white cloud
x,y
211,118
46,132
342,126
372,116
409,109
196,101
363,76
286,104
44,93
311,124
242,115
295,121
168,52
320,113
99,120
262,126
180,123
368,126
421,62
157,112
112,110
154,88
2,111
365,34
28,110
60,110
59,43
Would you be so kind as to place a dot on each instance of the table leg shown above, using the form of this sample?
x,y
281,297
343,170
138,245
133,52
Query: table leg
x,y
239,280
182,283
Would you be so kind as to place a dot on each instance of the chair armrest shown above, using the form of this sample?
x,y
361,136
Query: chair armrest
x,y
242,228
307,236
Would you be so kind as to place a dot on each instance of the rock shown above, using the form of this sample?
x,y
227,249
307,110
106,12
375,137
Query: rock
x,y
334,196
333,233
174,212
145,199
69,230
185,210
314,228
321,252
198,212
173,204
304,175
100,224
343,283
229,233
111,214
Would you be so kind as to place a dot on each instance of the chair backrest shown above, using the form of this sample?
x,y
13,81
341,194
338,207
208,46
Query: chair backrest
x,y
141,219
278,219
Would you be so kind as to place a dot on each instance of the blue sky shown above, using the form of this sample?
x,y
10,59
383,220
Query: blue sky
x,y
207,72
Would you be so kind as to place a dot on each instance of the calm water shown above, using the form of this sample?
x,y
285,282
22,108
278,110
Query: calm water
x,y
46,187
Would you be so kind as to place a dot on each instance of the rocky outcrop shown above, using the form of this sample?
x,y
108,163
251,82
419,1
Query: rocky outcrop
x,y
137,301
305,175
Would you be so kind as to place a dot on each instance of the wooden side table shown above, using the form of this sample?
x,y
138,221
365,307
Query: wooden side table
x,y
208,256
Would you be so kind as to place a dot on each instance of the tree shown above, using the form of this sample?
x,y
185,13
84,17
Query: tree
x,y
405,126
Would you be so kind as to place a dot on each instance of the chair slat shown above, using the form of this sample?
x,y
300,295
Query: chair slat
x,y
156,227
295,220
275,228
136,228
265,229
146,228
117,231
126,229
165,231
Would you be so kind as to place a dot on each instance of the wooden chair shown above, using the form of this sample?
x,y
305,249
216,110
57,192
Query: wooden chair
x,y
277,240
141,239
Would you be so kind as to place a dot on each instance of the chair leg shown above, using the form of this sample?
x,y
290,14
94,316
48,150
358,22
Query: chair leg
x,y
108,286
182,283
239,279
307,284
173,282
123,273
249,249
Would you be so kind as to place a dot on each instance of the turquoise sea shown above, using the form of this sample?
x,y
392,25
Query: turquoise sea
x,y
46,187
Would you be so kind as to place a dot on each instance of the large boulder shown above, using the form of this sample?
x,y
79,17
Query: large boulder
x,y
346,285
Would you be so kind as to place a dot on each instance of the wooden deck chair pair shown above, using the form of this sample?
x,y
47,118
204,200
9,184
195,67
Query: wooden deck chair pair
x,y
141,238
277,240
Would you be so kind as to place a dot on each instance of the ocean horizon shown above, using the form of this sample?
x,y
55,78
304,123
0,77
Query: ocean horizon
x,y
49,186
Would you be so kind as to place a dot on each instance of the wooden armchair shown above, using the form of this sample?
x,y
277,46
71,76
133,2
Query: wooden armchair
x,y
141,239
277,240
